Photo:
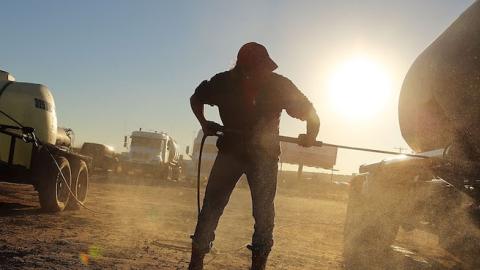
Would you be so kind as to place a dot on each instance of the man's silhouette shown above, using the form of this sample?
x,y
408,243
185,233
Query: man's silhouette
x,y
250,99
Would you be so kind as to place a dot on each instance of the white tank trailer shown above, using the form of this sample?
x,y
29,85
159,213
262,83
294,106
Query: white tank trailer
x,y
439,116
152,153
209,155
27,107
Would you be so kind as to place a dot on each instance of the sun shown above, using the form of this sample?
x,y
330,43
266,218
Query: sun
x,y
359,88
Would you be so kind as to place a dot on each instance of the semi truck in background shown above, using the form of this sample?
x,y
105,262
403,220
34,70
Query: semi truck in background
x,y
152,153
208,157
439,116
33,150
104,159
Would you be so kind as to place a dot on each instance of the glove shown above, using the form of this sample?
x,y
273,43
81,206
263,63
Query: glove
x,y
306,140
211,128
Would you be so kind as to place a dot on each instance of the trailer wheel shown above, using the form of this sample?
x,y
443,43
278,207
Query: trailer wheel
x,y
79,184
368,234
461,237
162,173
176,172
169,173
53,191
464,246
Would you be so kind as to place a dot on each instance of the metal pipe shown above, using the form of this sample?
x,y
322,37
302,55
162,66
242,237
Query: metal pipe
x,y
320,144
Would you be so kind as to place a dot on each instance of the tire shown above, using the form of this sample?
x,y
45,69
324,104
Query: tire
x,y
79,184
461,237
368,232
124,169
465,247
53,191
163,173
169,172
176,172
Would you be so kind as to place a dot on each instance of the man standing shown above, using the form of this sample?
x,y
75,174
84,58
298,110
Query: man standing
x,y
250,99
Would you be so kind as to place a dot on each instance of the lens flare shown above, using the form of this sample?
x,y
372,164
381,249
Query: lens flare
x,y
84,258
94,252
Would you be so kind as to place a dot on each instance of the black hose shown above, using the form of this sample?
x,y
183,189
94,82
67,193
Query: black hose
x,y
202,143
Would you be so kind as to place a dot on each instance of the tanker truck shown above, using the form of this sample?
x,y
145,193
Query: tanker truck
x,y
33,150
209,155
439,116
152,153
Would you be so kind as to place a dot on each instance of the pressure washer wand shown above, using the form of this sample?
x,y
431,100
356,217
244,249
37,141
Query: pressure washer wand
x,y
320,144
221,131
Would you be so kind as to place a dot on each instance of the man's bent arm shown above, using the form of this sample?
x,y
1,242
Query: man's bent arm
x,y
197,108
313,125
298,106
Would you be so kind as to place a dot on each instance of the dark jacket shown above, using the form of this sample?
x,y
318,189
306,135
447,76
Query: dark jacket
x,y
252,109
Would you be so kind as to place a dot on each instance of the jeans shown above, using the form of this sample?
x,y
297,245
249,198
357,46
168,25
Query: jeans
x,y
261,171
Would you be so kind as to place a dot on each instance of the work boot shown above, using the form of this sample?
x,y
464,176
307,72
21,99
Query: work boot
x,y
196,261
259,258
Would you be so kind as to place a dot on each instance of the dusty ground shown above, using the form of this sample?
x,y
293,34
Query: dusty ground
x,y
148,227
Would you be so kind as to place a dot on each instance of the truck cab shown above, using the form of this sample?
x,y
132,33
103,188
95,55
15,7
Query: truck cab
x,y
148,147
152,153
104,158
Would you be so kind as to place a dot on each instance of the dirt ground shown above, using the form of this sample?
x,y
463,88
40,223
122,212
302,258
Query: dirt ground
x,y
147,226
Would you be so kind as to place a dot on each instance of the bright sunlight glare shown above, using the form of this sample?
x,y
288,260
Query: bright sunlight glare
x,y
359,88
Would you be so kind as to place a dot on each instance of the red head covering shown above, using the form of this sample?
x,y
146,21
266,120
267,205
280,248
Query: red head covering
x,y
253,55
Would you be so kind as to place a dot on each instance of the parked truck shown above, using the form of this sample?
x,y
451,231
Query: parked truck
x,y
33,150
439,116
104,159
152,153
209,154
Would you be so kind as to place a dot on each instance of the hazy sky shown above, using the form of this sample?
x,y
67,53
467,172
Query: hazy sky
x,y
115,66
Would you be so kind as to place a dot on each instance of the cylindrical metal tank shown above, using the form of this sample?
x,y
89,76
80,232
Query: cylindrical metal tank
x,y
32,105
440,97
